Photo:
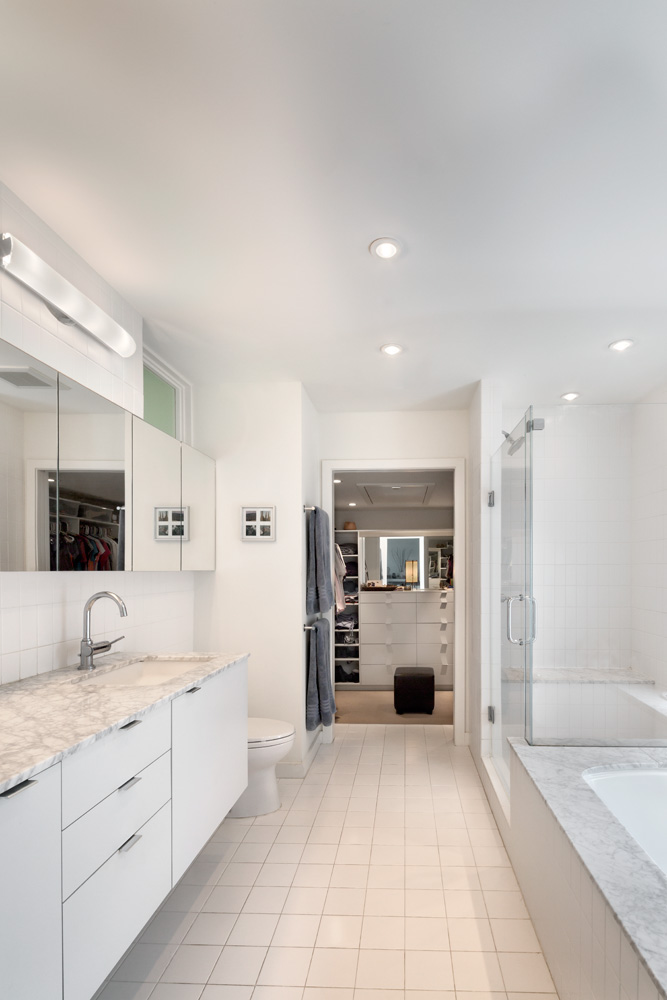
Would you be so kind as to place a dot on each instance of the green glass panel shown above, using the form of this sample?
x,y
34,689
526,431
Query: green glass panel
x,y
159,403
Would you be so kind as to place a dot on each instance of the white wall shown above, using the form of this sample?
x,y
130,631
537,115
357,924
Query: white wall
x,y
254,601
41,613
394,434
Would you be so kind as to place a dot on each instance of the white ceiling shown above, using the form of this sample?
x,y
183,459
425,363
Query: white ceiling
x,y
377,490
226,164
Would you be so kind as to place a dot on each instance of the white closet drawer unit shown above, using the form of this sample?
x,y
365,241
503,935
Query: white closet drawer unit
x,y
433,632
99,769
429,612
390,596
102,918
370,653
376,674
389,633
431,654
95,836
377,613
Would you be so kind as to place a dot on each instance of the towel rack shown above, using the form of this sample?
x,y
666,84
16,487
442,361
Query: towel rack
x,y
308,628
305,509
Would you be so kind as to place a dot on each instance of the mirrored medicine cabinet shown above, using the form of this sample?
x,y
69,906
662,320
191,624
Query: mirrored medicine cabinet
x,y
86,486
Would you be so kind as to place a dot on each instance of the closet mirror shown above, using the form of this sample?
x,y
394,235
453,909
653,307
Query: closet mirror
x,y
91,489
28,457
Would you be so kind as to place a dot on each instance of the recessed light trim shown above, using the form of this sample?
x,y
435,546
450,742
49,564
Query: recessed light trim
x,y
385,248
391,350
570,396
620,345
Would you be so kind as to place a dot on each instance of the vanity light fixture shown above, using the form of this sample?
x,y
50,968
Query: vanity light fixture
x,y
569,396
384,247
66,302
621,345
391,349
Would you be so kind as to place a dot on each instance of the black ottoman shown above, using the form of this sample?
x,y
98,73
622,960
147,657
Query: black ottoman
x,y
414,690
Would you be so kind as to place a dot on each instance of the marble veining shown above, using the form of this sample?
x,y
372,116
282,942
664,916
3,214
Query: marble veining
x,y
46,718
634,887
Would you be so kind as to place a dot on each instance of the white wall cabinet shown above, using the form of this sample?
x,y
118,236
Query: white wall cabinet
x,y
30,909
209,760
405,628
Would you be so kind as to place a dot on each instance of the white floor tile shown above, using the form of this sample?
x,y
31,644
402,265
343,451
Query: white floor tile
x,y
145,963
177,991
337,931
383,932
210,928
428,970
126,991
470,934
333,967
426,934
523,973
168,927
238,966
285,967
346,902
380,970
515,935
191,963
476,971
266,899
296,930
254,929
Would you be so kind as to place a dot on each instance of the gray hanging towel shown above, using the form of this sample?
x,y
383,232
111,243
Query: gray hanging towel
x,y
319,585
320,704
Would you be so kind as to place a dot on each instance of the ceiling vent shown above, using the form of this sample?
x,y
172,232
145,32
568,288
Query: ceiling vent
x,y
26,378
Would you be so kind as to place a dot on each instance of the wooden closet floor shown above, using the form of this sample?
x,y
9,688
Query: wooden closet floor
x,y
377,707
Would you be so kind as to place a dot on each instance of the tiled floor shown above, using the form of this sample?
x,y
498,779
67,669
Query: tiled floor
x,y
383,877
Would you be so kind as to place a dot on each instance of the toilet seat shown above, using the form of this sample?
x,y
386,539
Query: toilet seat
x,y
269,732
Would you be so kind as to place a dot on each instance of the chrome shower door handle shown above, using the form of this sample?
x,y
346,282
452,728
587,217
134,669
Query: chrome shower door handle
x,y
510,637
533,621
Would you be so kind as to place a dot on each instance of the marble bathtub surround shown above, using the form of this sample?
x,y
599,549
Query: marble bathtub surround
x,y
46,718
634,887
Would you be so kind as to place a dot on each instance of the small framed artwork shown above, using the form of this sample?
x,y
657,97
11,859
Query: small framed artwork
x,y
258,524
172,524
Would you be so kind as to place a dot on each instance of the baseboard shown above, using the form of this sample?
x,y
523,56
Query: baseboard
x,y
299,768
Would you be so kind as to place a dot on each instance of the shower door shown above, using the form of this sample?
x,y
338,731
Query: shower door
x,y
513,616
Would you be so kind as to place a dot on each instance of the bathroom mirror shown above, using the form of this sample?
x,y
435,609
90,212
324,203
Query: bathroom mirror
x,y
28,458
91,491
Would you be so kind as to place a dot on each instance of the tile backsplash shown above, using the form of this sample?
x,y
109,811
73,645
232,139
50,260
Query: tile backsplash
x,y
41,617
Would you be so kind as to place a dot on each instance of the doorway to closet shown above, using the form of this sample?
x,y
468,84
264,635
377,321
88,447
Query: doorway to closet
x,y
396,535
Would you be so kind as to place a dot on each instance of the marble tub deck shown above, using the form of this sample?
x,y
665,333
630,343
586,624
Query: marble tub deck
x,y
46,718
634,887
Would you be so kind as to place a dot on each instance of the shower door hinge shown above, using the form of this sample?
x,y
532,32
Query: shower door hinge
x,y
492,498
536,424
491,713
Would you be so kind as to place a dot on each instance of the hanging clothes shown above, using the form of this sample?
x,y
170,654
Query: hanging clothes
x,y
340,569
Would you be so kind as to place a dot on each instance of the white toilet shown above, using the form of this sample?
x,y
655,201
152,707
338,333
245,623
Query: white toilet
x,y
269,740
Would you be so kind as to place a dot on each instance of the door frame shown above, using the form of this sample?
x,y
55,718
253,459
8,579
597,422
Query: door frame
x,y
458,467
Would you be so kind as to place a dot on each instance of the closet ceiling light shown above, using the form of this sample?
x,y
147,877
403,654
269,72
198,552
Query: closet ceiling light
x,y
391,349
385,248
66,302
352,505
621,345
337,482
569,396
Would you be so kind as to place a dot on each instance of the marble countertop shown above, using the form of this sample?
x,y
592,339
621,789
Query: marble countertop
x,y
577,675
46,718
634,887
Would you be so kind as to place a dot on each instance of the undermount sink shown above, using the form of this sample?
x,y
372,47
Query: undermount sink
x,y
147,672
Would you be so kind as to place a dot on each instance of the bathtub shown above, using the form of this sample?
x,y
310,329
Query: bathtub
x,y
637,797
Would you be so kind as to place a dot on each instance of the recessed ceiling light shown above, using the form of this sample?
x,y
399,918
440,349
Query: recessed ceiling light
x,y
53,481
385,248
391,349
569,396
621,345
336,481
352,505
396,487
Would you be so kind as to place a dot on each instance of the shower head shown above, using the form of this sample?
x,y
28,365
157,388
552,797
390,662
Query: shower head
x,y
514,445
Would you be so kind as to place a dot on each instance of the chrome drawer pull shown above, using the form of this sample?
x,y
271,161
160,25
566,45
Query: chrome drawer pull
x,y
21,787
130,843
131,725
129,783
193,690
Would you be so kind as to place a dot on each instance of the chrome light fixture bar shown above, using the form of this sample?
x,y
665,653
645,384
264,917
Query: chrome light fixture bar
x,y
66,302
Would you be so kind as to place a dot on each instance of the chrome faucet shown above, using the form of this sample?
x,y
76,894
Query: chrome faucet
x,y
88,647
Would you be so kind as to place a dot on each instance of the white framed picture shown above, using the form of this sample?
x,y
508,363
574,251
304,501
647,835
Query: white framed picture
x,y
172,524
258,524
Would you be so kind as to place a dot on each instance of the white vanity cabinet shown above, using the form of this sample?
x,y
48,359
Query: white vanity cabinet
x,y
209,760
30,910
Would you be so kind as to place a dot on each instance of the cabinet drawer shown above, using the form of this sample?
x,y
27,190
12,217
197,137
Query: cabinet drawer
x,y
99,769
389,634
95,836
377,673
431,633
431,654
103,917
388,596
380,613
430,611
371,653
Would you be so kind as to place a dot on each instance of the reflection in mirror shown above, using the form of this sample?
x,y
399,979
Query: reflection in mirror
x,y
88,528
28,455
